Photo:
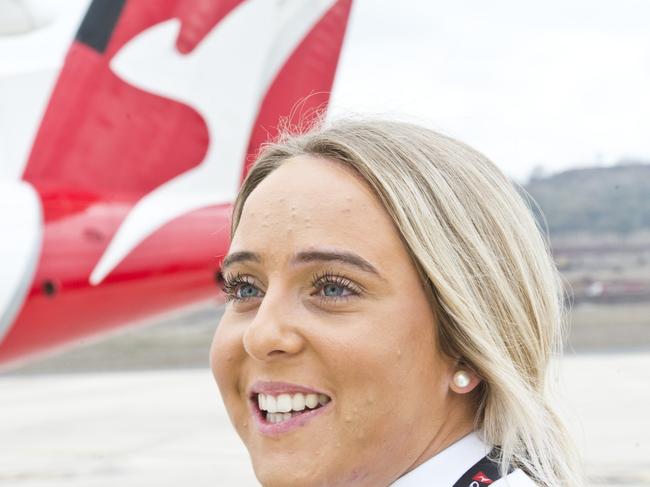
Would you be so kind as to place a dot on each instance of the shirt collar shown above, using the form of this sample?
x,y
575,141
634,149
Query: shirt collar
x,y
446,467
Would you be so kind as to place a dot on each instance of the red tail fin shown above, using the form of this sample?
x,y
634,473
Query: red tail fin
x,y
102,133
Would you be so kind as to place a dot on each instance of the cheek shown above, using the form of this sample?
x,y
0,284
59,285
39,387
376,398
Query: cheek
x,y
400,365
225,360
386,365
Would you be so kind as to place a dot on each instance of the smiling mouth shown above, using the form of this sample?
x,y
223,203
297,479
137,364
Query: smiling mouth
x,y
280,408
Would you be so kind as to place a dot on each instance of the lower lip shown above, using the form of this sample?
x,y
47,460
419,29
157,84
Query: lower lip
x,y
275,429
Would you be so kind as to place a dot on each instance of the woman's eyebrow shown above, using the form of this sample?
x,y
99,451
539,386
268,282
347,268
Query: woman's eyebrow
x,y
243,256
307,256
336,256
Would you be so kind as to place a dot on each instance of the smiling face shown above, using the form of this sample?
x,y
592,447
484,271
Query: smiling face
x,y
326,307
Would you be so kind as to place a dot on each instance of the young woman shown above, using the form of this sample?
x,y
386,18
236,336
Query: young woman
x,y
393,312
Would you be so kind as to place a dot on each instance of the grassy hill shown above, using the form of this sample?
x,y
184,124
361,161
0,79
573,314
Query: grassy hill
x,y
602,200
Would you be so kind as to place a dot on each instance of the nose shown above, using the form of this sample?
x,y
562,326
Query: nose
x,y
272,334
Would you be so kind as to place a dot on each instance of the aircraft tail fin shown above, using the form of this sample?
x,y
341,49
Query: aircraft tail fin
x,y
124,126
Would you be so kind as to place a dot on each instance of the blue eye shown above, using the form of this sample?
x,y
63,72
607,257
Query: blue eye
x,y
240,288
332,287
328,287
332,290
247,291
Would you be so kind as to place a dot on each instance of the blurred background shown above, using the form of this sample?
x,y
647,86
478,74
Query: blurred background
x,y
556,93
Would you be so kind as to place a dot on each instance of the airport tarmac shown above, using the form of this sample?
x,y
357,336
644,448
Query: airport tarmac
x,y
169,427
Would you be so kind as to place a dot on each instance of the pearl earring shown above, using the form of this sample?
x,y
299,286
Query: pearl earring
x,y
462,379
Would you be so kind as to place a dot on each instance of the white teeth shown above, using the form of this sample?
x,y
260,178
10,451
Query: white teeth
x,y
311,401
261,401
283,403
275,418
298,402
271,405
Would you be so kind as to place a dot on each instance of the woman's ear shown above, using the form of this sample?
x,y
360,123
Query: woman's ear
x,y
464,381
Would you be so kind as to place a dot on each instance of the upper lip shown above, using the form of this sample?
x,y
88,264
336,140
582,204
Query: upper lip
x,y
274,388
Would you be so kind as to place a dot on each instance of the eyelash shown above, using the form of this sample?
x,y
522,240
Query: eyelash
x,y
231,284
319,281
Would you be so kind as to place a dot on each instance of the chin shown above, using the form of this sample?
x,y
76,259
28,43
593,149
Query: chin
x,y
287,474
312,472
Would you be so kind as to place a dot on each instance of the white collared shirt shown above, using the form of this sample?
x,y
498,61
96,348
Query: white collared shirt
x,y
445,468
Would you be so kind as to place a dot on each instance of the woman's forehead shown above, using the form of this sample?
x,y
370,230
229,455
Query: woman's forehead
x,y
307,189
302,176
308,202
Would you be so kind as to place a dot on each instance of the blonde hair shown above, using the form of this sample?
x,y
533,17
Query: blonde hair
x,y
493,284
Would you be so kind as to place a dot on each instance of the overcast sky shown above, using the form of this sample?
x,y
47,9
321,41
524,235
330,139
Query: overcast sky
x,y
558,83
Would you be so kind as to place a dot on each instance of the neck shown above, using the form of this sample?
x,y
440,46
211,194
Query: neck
x,y
458,423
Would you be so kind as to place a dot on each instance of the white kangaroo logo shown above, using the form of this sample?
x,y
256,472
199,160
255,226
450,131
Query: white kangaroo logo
x,y
224,79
